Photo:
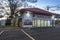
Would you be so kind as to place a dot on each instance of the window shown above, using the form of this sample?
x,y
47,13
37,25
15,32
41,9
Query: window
x,y
33,23
38,23
45,23
41,23
48,23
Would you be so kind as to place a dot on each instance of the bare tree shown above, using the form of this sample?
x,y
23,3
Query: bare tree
x,y
13,6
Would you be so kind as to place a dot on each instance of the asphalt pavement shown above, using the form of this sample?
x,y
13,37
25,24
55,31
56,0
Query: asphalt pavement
x,y
13,34
44,33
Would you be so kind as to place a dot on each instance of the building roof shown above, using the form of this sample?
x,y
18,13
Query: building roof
x,y
36,10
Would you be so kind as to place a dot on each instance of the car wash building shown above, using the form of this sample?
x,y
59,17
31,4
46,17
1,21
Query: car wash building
x,y
34,17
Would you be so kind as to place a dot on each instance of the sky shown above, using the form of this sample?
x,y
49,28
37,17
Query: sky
x,y
43,3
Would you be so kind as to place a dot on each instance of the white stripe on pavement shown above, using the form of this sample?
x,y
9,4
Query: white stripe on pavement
x,y
27,34
1,32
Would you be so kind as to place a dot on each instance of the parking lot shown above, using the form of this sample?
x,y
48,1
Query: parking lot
x,y
44,33
11,33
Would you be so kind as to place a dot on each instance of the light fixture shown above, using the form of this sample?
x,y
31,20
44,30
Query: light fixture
x,y
28,14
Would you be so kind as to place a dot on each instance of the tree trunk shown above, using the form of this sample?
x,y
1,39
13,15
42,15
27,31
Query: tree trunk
x,y
8,22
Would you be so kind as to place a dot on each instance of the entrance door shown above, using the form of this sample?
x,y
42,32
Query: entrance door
x,y
20,22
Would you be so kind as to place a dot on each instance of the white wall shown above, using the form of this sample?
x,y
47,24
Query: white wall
x,y
26,16
46,18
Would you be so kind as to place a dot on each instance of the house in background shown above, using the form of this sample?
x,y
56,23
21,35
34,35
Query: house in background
x,y
35,17
4,12
57,19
